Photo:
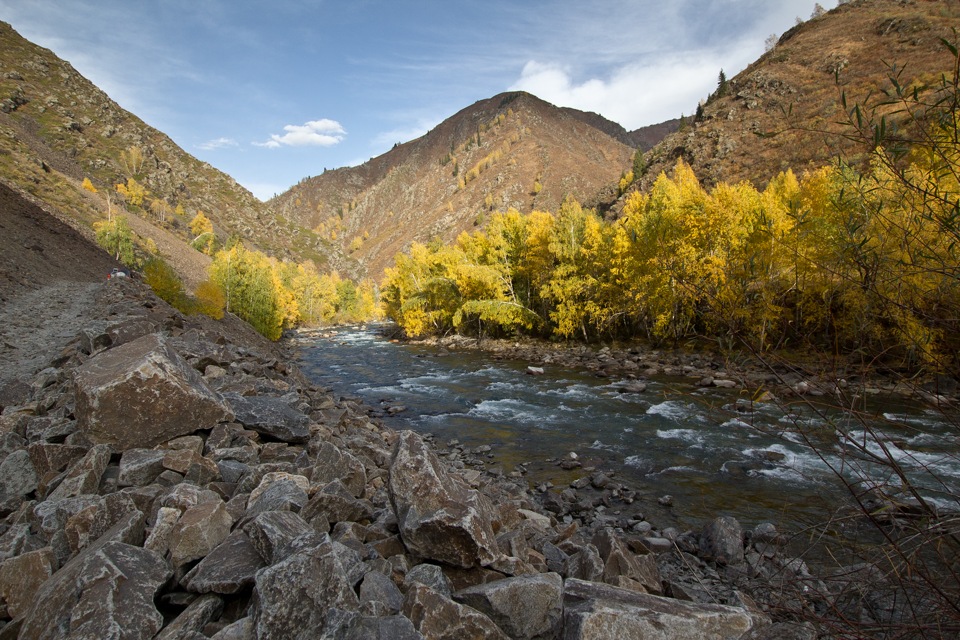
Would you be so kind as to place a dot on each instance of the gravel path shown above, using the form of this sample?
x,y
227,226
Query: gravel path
x,y
36,325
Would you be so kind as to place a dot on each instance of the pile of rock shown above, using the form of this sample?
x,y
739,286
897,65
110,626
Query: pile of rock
x,y
163,481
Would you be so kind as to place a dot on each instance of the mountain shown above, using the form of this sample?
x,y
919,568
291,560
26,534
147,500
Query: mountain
x,y
57,128
511,150
792,90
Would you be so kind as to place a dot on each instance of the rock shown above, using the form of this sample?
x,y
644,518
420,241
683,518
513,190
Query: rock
x,y
379,595
429,575
619,561
666,501
440,518
436,616
273,533
534,371
278,491
141,394
189,624
164,522
722,541
229,568
597,612
724,384
523,607
18,476
242,629
21,578
300,596
198,531
105,592
335,503
84,474
271,417
336,464
140,467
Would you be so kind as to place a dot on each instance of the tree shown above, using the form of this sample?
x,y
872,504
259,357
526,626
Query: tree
x,y
722,86
88,186
132,159
133,192
818,11
115,236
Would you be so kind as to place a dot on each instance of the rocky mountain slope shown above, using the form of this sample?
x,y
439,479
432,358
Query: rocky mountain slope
x,y
793,89
511,150
57,128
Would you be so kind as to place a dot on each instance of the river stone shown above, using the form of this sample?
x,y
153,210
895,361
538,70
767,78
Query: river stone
x,y
271,417
22,577
333,463
198,531
228,568
141,394
440,518
524,607
436,616
105,592
594,611
298,597
722,541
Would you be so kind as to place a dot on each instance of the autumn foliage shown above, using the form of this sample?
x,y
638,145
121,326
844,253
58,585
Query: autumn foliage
x,y
840,260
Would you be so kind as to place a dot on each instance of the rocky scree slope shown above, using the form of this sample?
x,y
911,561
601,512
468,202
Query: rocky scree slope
x,y
175,477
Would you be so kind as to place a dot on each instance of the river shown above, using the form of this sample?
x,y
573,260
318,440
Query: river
x,y
713,454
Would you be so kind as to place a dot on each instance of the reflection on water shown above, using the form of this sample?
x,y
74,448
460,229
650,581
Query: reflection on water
x,y
714,455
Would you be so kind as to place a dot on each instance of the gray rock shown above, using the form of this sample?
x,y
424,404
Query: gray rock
x,y
722,541
272,534
22,577
524,607
84,475
18,477
141,394
105,592
242,629
379,595
396,627
271,417
191,620
619,561
440,518
299,597
585,564
199,531
337,504
278,492
333,463
595,611
140,467
436,616
229,568
429,575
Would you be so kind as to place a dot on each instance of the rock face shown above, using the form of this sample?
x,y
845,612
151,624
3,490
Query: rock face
x,y
141,394
439,517
597,612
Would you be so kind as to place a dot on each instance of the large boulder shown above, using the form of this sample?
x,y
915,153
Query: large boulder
x,y
594,611
141,394
722,541
525,607
270,417
105,592
440,518
304,595
436,616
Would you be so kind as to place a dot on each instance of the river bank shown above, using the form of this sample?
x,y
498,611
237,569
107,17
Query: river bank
x,y
175,477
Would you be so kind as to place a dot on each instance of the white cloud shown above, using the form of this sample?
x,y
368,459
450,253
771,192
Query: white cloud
x,y
317,133
634,95
219,143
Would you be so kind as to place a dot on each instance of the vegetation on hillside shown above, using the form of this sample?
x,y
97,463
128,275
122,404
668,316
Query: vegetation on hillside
x,y
842,260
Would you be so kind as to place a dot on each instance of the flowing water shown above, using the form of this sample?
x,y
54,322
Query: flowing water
x,y
713,454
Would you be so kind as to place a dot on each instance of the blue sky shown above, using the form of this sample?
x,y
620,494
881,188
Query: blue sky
x,y
275,91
